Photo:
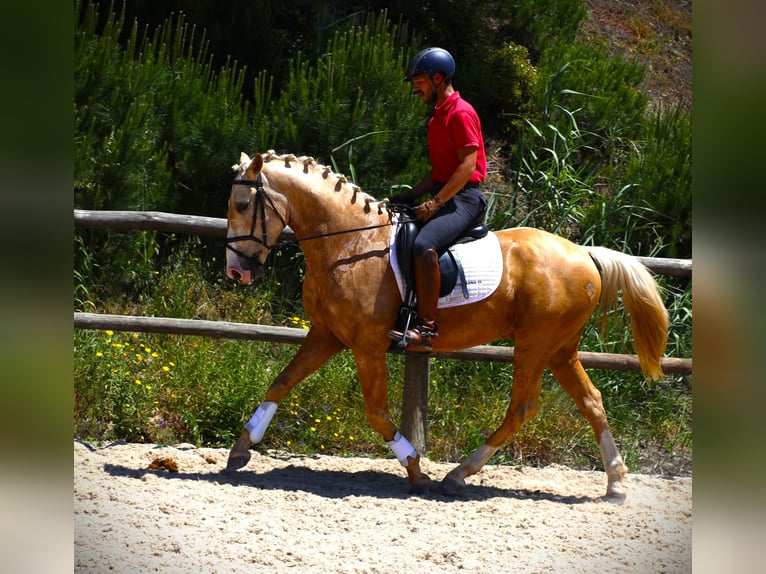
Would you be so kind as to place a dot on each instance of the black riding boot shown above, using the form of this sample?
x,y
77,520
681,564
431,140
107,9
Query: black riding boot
x,y
427,286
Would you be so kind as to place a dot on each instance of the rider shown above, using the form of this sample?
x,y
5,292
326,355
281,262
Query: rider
x,y
458,166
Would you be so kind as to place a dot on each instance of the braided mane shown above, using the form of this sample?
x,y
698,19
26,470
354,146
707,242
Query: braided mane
x,y
311,167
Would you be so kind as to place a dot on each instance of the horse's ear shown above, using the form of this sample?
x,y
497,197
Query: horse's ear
x,y
255,166
243,158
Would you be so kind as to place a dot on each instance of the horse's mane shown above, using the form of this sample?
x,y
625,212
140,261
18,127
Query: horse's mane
x,y
331,181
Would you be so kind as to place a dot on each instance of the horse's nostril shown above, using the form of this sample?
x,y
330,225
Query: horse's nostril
x,y
234,274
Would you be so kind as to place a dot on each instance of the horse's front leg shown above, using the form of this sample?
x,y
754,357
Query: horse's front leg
x,y
373,376
315,351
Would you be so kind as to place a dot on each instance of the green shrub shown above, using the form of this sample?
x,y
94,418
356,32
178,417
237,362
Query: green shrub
x,y
155,126
605,88
543,26
155,129
350,106
514,85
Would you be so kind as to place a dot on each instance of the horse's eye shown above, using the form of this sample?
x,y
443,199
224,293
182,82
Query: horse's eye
x,y
241,199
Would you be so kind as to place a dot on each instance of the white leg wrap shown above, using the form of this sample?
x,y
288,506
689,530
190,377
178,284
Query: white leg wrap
x,y
260,420
402,448
613,464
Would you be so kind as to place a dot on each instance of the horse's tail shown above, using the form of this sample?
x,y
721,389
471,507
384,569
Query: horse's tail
x,y
644,306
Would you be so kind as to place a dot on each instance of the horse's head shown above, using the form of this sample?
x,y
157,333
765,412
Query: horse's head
x,y
254,221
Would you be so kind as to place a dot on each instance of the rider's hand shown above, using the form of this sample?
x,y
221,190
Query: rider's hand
x,y
427,209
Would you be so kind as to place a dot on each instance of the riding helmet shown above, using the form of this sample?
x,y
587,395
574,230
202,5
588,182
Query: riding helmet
x,y
429,62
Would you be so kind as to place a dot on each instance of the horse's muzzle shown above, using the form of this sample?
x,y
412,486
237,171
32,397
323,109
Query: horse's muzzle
x,y
243,275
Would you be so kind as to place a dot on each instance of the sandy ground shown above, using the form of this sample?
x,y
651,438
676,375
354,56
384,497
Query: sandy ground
x,y
285,513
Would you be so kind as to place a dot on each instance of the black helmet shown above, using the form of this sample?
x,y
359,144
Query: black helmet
x,y
429,62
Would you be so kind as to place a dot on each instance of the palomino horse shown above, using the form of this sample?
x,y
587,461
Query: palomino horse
x,y
549,289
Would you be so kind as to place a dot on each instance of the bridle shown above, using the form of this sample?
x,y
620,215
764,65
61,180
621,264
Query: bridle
x,y
260,205
261,196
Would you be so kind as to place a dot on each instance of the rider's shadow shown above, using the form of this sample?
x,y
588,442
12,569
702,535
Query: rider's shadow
x,y
339,484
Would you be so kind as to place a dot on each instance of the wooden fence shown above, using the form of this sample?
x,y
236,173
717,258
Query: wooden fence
x,y
417,365
216,227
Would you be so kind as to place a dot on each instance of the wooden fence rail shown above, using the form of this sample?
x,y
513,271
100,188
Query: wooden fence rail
x,y
271,334
417,365
216,227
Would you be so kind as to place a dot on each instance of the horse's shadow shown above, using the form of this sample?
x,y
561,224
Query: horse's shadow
x,y
341,484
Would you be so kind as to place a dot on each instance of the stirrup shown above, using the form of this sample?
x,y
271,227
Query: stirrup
x,y
404,341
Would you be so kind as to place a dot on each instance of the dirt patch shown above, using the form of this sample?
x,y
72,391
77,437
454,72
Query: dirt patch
x,y
330,514
656,32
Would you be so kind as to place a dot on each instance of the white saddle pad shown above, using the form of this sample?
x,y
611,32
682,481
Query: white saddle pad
x,y
482,263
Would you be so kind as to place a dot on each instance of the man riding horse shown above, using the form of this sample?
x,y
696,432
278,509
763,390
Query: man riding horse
x,y
458,166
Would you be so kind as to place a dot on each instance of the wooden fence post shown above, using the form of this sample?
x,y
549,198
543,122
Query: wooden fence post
x,y
417,372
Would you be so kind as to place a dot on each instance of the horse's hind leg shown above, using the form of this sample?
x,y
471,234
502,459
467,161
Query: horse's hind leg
x,y
316,349
568,370
524,402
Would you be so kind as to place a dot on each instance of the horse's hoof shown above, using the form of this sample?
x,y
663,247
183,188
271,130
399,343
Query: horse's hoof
x,y
422,486
614,497
615,493
237,461
451,486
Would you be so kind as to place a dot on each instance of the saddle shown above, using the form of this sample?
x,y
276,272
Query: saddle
x,y
449,266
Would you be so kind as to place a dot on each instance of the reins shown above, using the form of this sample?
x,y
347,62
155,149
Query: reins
x,y
264,240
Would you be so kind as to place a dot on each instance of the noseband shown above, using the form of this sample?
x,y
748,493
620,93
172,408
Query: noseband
x,y
260,198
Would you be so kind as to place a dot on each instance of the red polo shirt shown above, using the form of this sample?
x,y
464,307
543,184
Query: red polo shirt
x,y
454,125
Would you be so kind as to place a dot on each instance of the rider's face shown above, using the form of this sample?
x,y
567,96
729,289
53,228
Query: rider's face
x,y
424,87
